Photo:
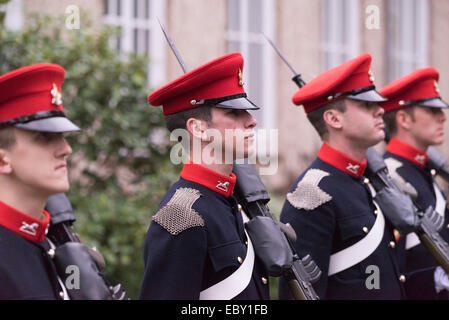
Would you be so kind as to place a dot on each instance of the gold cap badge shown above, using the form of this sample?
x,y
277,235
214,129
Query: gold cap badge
x,y
435,84
56,95
241,83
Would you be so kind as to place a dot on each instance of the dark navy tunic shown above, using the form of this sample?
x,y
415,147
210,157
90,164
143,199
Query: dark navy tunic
x,y
420,264
206,244
333,213
26,269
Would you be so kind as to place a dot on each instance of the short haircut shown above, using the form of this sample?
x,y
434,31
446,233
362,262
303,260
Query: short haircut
x,y
178,120
316,116
7,138
390,119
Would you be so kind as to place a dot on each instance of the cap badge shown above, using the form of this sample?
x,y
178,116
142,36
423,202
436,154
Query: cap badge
x,y
354,168
223,186
56,96
435,84
371,75
241,83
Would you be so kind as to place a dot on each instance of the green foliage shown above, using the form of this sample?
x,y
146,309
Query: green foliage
x,y
119,170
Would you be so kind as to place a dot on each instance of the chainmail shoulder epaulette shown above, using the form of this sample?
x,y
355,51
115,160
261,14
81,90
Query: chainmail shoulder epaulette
x,y
178,215
307,194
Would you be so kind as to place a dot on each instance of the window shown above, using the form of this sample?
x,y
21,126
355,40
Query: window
x,y
246,20
341,31
407,27
140,32
14,19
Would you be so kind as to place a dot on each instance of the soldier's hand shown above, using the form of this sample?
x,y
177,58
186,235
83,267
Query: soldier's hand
x,y
399,209
434,218
441,280
118,293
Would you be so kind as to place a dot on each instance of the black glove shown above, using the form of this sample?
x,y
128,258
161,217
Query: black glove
x,y
399,209
270,245
90,285
118,293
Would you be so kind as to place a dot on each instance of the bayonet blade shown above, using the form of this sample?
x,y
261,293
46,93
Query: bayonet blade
x,y
297,77
280,54
173,48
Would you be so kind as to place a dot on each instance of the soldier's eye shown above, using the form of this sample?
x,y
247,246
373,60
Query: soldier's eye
x,y
48,136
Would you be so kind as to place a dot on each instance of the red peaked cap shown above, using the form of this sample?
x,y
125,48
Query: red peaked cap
x,y
418,87
220,78
338,83
30,98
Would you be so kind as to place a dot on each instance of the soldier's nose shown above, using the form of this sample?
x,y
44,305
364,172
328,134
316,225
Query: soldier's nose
x,y
64,149
251,122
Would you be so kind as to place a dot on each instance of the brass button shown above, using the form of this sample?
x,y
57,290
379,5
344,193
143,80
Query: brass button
x,y
433,172
402,278
51,253
376,212
401,102
61,294
392,244
371,79
246,242
193,102
239,259
264,280
366,181
330,98
365,229
239,207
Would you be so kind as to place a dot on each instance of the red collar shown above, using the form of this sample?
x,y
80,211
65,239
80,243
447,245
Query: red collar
x,y
28,227
341,161
408,152
217,182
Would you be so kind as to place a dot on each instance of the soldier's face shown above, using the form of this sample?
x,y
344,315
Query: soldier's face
x,y
362,123
236,131
427,126
37,163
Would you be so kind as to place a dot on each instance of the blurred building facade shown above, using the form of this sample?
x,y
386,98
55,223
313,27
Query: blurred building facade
x,y
314,36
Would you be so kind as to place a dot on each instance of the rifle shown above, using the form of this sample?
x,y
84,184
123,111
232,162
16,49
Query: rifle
x,y
405,214
437,162
271,239
70,251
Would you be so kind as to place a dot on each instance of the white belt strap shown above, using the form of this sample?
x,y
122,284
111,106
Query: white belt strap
x,y
440,202
359,251
237,281
412,239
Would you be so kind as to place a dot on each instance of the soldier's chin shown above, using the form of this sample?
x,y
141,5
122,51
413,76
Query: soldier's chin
x,y
62,187
380,137
243,154
438,141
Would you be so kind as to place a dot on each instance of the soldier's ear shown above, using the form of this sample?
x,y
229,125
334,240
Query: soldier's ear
x,y
5,162
196,128
332,118
403,119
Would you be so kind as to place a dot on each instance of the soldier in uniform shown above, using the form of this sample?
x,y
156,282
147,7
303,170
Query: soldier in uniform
x,y
414,118
196,246
331,205
33,154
